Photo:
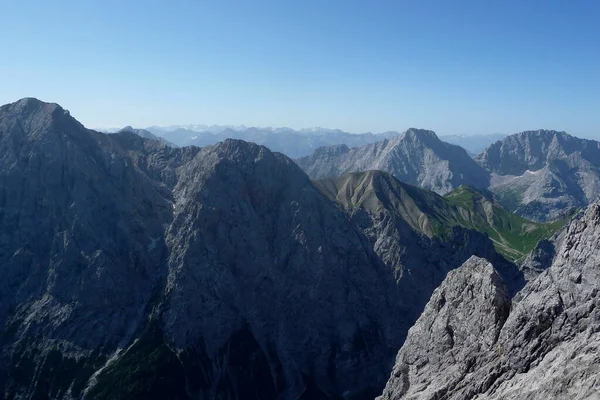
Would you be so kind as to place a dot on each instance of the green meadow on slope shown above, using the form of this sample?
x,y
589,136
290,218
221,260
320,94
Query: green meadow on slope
x,y
435,215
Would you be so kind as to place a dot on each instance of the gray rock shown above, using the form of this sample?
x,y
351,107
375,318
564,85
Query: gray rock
x,y
134,270
462,320
417,156
546,347
543,175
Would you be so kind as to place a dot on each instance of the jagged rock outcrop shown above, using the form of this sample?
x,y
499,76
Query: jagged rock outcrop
x,y
462,320
134,270
543,175
417,156
545,347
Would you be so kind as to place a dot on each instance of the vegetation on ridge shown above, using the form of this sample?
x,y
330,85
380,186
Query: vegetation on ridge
x,y
435,215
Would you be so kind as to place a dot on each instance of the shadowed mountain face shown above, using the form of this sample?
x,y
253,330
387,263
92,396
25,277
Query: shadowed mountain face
x,y
471,342
132,269
543,175
417,157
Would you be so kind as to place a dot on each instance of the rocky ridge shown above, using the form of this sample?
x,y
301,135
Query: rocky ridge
x,y
473,342
222,271
435,216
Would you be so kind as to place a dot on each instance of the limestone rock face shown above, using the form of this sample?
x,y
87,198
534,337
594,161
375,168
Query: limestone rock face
x,y
545,347
462,320
131,269
417,157
543,175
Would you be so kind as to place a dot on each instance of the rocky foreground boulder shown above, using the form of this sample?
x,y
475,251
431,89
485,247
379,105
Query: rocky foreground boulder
x,y
472,342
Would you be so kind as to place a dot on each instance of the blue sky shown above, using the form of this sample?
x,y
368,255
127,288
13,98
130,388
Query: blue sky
x,y
451,66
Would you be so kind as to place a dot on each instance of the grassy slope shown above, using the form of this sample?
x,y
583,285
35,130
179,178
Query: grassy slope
x,y
513,235
434,215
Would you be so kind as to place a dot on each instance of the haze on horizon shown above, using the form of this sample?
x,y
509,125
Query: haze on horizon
x,y
464,67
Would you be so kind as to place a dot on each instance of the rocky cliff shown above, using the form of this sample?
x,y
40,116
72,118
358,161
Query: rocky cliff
x,y
135,270
543,175
473,342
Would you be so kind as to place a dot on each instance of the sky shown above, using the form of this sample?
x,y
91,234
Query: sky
x,y
453,66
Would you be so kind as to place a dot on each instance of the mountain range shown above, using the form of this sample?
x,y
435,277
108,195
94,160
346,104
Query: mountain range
x,y
134,269
293,143
126,260
147,135
541,175
417,156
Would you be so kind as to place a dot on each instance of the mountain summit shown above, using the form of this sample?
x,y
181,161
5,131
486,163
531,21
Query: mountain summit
x,y
543,174
417,156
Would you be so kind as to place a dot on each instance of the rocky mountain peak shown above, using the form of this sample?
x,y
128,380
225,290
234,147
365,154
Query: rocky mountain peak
x,y
421,134
223,266
36,118
31,108
417,157
128,128
30,105
462,319
531,150
543,175
143,133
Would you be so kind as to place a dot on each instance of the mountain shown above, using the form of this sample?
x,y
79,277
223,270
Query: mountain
x,y
473,342
435,216
414,231
134,270
543,175
417,156
291,142
474,144
147,135
131,269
